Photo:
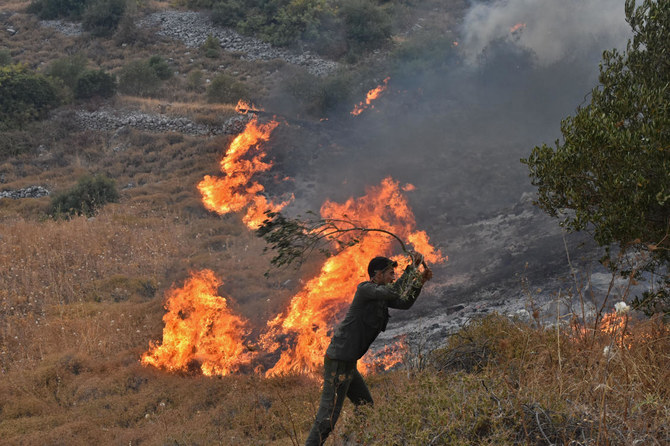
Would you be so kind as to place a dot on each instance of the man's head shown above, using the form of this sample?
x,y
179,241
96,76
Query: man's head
x,y
381,270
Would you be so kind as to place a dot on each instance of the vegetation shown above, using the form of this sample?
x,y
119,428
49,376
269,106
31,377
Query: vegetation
x,y
24,96
5,57
53,9
83,83
102,17
160,67
81,298
330,28
86,197
611,172
139,78
94,83
226,89
320,96
211,47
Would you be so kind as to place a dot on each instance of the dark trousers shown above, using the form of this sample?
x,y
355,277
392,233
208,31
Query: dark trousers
x,y
340,380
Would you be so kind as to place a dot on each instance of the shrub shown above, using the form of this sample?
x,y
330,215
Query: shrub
x,y
226,89
95,83
212,47
160,67
53,9
24,96
194,80
138,78
5,57
68,69
228,13
103,16
86,197
319,96
366,26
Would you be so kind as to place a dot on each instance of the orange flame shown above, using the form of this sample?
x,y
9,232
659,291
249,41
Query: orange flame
x,y
313,311
236,191
244,107
371,96
517,27
201,333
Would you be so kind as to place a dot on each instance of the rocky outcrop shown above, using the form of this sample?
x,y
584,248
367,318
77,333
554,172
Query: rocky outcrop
x,y
26,192
193,28
111,119
70,29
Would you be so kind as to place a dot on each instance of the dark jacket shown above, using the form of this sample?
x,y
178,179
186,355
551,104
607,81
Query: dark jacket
x,y
369,314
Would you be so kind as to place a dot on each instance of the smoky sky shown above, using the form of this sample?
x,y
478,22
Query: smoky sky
x,y
458,132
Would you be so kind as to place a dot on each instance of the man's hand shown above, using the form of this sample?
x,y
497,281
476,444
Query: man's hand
x,y
417,258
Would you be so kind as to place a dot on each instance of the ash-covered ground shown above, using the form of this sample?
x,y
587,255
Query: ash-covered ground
x,y
458,135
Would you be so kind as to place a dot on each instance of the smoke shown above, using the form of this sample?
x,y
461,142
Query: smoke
x,y
552,30
458,130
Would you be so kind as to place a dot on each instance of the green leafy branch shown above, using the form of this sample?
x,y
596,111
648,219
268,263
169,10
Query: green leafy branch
x,y
295,239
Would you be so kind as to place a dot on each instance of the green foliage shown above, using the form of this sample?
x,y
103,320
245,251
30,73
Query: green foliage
x,y
53,9
423,54
194,80
331,28
24,96
294,239
320,95
226,89
367,26
138,78
102,17
229,12
5,57
68,69
161,67
95,83
611,172
212,47
86,197
83,83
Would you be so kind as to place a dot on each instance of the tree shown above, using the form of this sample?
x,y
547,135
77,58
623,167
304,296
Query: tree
x,y
611,173
24,96
102,17
95,83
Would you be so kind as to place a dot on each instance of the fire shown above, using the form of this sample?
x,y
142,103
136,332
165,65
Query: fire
x,y
244,107
371,96
236,191
201,333
312,312
517,27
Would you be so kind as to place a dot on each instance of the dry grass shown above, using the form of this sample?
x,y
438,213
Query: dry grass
x,y
534,387
81,299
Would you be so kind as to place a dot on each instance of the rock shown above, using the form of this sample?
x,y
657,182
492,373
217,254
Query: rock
x,y
27,192
192,28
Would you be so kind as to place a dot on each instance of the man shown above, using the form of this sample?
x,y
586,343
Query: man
x,y
366,318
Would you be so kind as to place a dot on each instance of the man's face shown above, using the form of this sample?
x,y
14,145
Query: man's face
x,y
386,276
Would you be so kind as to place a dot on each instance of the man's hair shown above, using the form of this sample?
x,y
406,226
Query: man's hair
x,y
380,264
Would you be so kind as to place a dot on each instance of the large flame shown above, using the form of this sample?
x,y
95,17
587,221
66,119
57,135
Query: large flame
x,y
312,313
245,107
371,96
201,333
236,191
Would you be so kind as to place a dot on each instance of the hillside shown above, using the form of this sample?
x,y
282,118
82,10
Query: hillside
x,y
85,297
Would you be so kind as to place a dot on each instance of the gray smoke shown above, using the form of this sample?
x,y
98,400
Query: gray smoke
x,y
458,133
553,30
